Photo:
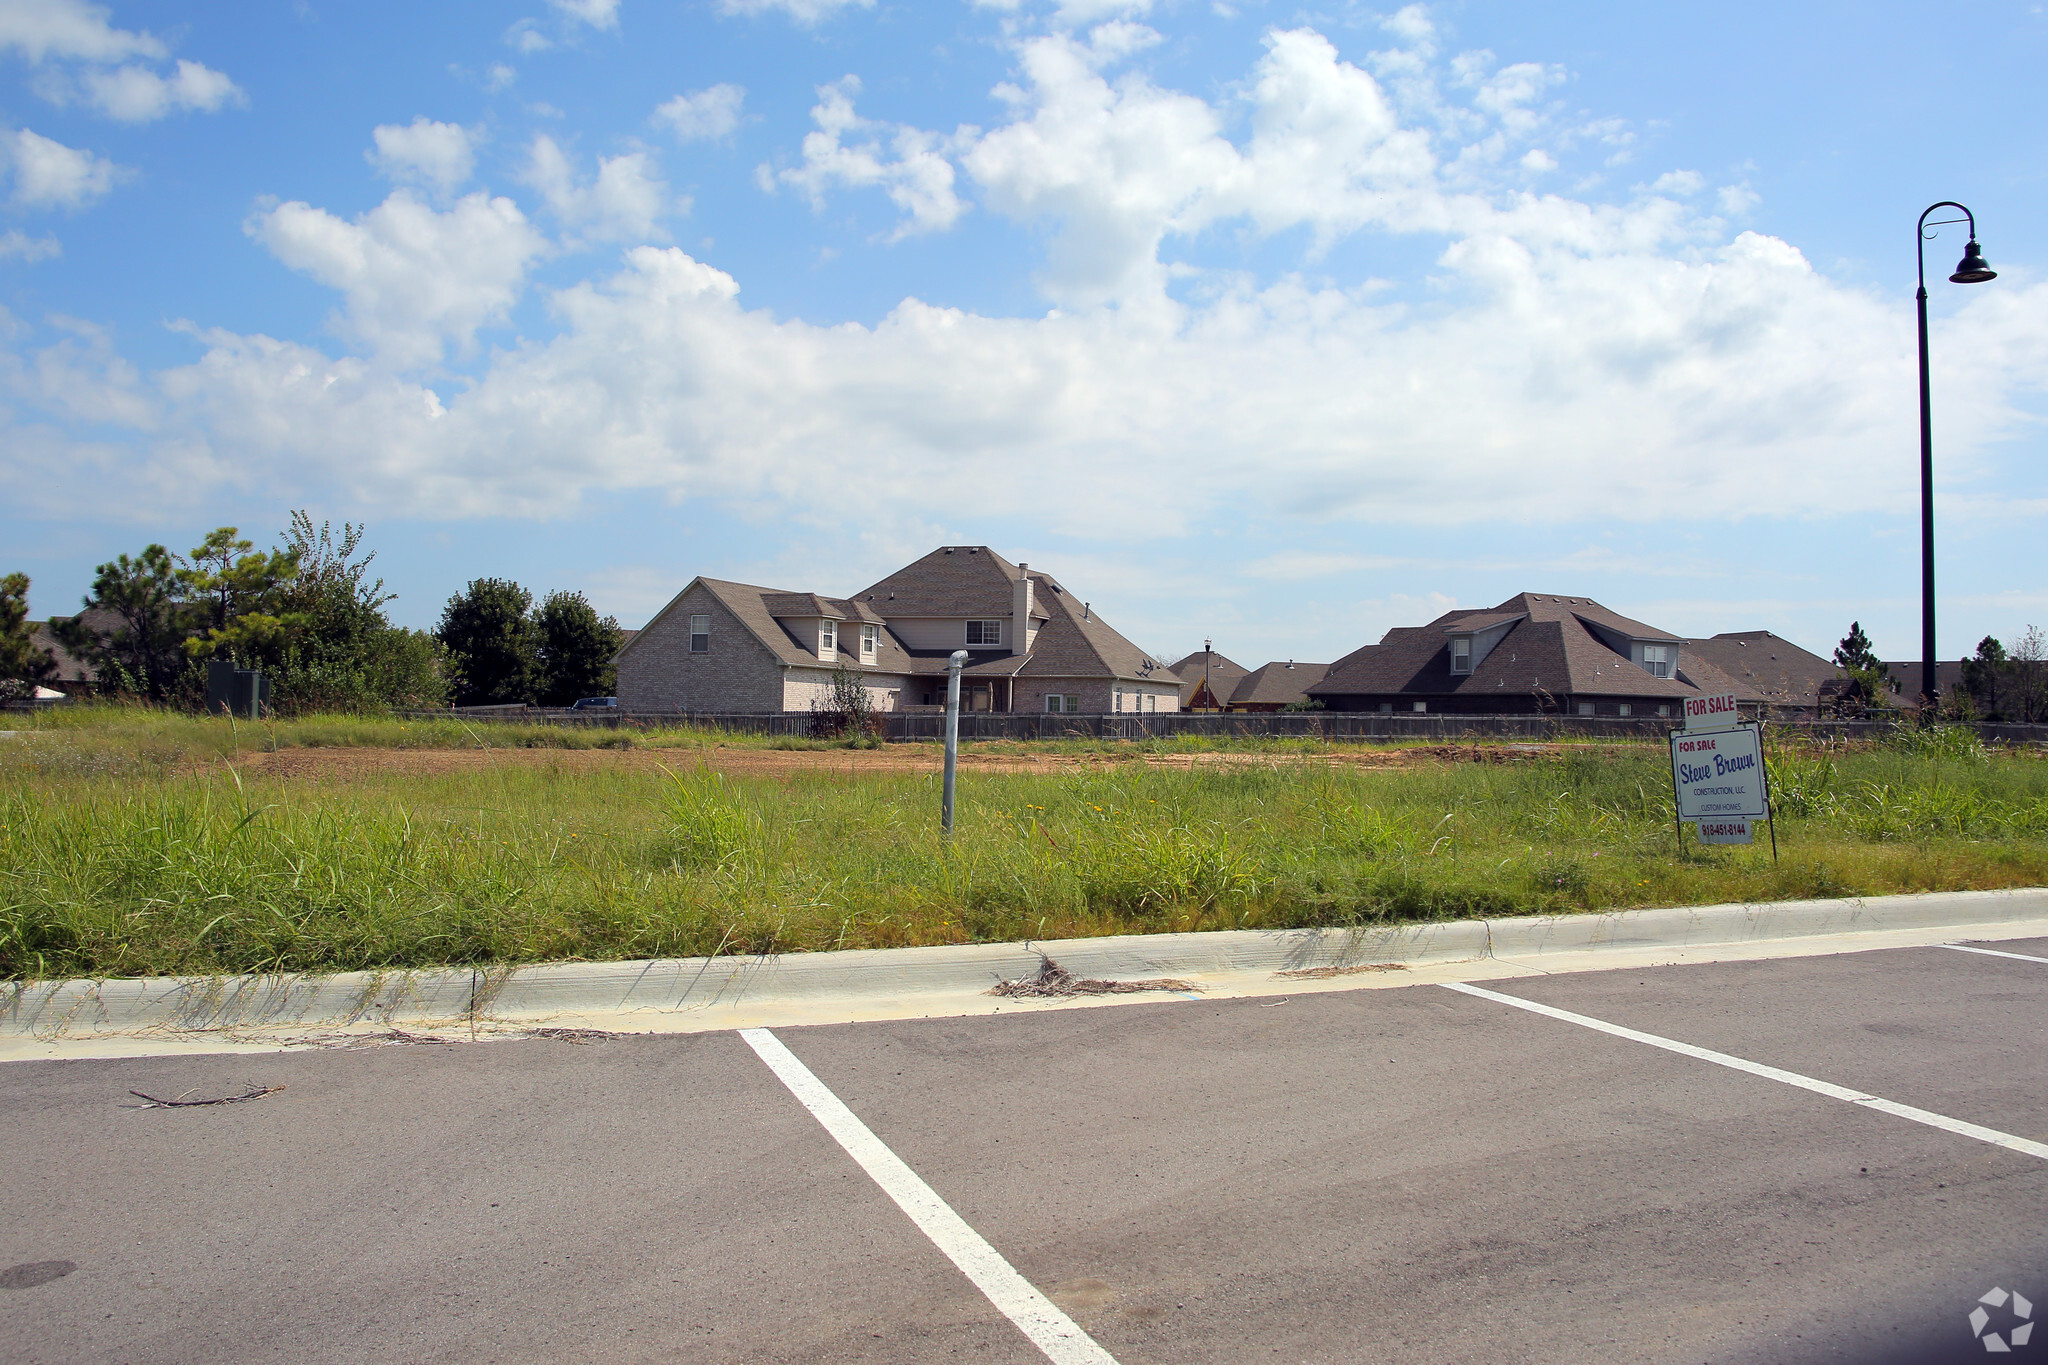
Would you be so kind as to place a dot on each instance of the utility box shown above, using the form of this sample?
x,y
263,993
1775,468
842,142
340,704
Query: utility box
x,y
232,691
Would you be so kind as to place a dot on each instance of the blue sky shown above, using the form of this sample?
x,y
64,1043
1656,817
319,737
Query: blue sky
x,y
1277,325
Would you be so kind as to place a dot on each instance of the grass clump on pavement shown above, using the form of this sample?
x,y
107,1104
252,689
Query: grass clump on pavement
x,y
132,852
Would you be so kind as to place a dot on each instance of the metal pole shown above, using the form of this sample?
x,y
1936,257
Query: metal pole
x,y
953,665
1926,507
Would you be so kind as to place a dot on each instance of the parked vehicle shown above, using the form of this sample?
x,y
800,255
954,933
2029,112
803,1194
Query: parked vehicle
x,y
596,704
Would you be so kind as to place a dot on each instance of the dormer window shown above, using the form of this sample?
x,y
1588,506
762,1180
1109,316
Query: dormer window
x,y
985,632
1461,654
1657,660
828,639
870,641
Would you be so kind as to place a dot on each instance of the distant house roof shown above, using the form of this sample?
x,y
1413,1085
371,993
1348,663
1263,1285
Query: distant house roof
x,y
750,603
953,580
1555,650
70,667
1278,684
1775,669
1224,675
804,605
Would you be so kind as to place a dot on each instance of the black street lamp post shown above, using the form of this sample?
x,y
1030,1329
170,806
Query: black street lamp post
x,y
1970,270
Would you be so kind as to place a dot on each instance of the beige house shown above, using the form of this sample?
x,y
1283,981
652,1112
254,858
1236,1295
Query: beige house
x,y
725,647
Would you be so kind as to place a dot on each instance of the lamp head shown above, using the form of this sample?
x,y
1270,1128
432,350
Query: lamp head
x,y
1973,268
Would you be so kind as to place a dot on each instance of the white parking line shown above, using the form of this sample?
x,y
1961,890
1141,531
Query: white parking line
x,y
2026,1146
1991,952
1050,1330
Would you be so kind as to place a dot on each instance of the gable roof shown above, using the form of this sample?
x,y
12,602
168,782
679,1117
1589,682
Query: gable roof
x,y
1554,649
1224,676
808,605
1278,684
750,605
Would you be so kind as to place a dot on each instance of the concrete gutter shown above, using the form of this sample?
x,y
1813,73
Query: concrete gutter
x,y
214,1014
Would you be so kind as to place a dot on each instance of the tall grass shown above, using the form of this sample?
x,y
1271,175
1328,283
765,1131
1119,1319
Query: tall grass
x,y
114,861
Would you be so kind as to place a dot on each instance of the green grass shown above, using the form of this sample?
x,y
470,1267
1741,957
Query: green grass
x,y
127,848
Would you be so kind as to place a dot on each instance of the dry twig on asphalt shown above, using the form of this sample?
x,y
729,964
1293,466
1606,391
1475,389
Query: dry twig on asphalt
x,y
573,1035
1055,980
250,1092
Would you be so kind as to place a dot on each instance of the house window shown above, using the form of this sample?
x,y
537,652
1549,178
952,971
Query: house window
x,y
1386,708
1657,659
1585,708
1461,654
828,639
1151,702
870,641
700,634
1422,706
1664,710
1625,710
985,632
1056,704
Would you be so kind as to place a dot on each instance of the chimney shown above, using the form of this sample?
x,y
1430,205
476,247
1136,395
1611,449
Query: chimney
x,y
1020,613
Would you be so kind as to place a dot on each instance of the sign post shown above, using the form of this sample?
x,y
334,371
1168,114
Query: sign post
x,y
953,666
1717,773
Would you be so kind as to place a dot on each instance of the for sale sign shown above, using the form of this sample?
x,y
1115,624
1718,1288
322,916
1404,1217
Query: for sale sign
x,y
1719,774
1711,711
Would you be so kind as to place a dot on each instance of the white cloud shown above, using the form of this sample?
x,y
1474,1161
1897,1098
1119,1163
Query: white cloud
x,y
1574,361
442,155
596,13
16,245
1684,184
501,77
41,29
48,174
918,178
801,11
411,278
707,114
135,94
626,200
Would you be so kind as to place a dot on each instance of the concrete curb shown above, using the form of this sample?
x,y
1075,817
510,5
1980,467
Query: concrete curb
x,y
710,993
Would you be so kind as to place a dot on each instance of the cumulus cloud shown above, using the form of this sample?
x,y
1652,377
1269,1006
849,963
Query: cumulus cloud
x,y
43,29
1573,361
135,94
596,13
703,114
412,278
442,155
913,169
79,49
626,200
48,174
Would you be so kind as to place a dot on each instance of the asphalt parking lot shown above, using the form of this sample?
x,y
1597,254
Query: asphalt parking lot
x,y
1377,1175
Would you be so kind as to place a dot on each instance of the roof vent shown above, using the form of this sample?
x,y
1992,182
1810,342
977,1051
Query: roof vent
x,y
949,549
974,549
1022,566
1084,611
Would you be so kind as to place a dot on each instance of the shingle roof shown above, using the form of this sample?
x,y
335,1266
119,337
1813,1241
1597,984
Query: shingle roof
x,y
1278,684
1777,670
806,605
71,668
1224,676
953,580
1554,650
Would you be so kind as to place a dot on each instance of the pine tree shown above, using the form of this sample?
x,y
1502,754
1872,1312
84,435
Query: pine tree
x,y
1870,682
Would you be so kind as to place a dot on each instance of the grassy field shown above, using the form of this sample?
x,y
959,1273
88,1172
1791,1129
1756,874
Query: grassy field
x,y
134,842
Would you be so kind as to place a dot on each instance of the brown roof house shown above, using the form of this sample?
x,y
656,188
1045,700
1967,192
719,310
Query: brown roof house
x,y
1276,686
1031,646
1786,677
1534,653
1207,680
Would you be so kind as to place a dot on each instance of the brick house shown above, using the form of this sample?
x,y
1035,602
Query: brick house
x,y
1208,680
1276,686
721,646
1534,653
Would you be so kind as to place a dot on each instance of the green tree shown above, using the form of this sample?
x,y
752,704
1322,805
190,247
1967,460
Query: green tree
x,y
1982,675
1870,682
574,650
2029,675
144,655
491,643
239,595
23,667
348,656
